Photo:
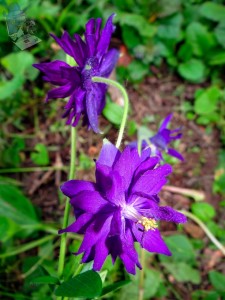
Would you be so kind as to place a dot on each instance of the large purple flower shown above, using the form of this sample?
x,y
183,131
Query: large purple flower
x,y
93,59
121,208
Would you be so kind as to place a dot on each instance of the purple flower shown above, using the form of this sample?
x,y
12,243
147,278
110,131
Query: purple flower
x,y
93,59
160,141
121,208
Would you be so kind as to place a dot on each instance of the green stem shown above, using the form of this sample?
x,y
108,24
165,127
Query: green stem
x,y
126,104
62,251
142,276
27,247
205,228
32,169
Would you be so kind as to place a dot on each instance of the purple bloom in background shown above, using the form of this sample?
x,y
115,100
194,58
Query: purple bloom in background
x,y
160,141
121,208
93,59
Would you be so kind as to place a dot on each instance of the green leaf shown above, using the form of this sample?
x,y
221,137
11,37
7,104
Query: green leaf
x,y
130,36
8,88
40,157
84,285
185,52
206,102
220,33
181,248
203,211
170,27
45,280
193,70
217,279
138,22
213,11
199,38
217,59
113,112
137,70
15,206
182,272
113,287
20,63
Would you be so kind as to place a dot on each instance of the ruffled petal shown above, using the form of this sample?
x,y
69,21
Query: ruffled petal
x,y
167,213
108,62
88,201
109,154
174,153
148,164
80,225
165,122
52,71
92,35
105,38
153,242
152,181
91,107
72,187
61,92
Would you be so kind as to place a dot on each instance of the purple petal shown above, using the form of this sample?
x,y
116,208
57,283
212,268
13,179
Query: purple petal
x,y
165,122
80,225
91,107
88,201
116,224
148,164
109,154
152,181
82,47
126,164
168,214
72,187
105,38
52,71
153,242
101,252
69,46
108,62
61,92
174,153
92,34
71,74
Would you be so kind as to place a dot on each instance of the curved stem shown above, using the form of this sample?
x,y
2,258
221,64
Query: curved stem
x,y
62,250
206,230
126,104
142,276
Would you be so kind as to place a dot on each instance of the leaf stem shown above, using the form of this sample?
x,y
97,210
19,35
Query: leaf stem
x,y
142,276
62,251
206,230
126,103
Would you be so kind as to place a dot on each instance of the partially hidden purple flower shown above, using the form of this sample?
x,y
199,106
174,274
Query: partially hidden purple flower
x,y
121,208
93,59
160,141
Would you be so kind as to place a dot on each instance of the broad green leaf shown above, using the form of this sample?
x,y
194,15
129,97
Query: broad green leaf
x,y
181,248
199,38
40,157
8,88
8,228
85,162
183,272
217,59
213,11
15,206
220,33
203,211
113,287
113,112
170,28
218,280
20,63
11,155
193,70
138,22
185,52
137,70
206,102
84,285
206,295
130,36
45,10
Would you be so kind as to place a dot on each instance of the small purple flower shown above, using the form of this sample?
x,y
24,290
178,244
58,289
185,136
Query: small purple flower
x,y
160,141
93,59
121,208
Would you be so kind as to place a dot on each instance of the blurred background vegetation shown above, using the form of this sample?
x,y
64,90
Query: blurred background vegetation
x,y
179,39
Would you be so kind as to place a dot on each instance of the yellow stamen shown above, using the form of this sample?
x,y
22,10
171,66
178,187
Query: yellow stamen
x,y
148,224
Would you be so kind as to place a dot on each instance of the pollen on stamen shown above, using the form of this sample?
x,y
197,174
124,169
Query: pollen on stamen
x,y
148,224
